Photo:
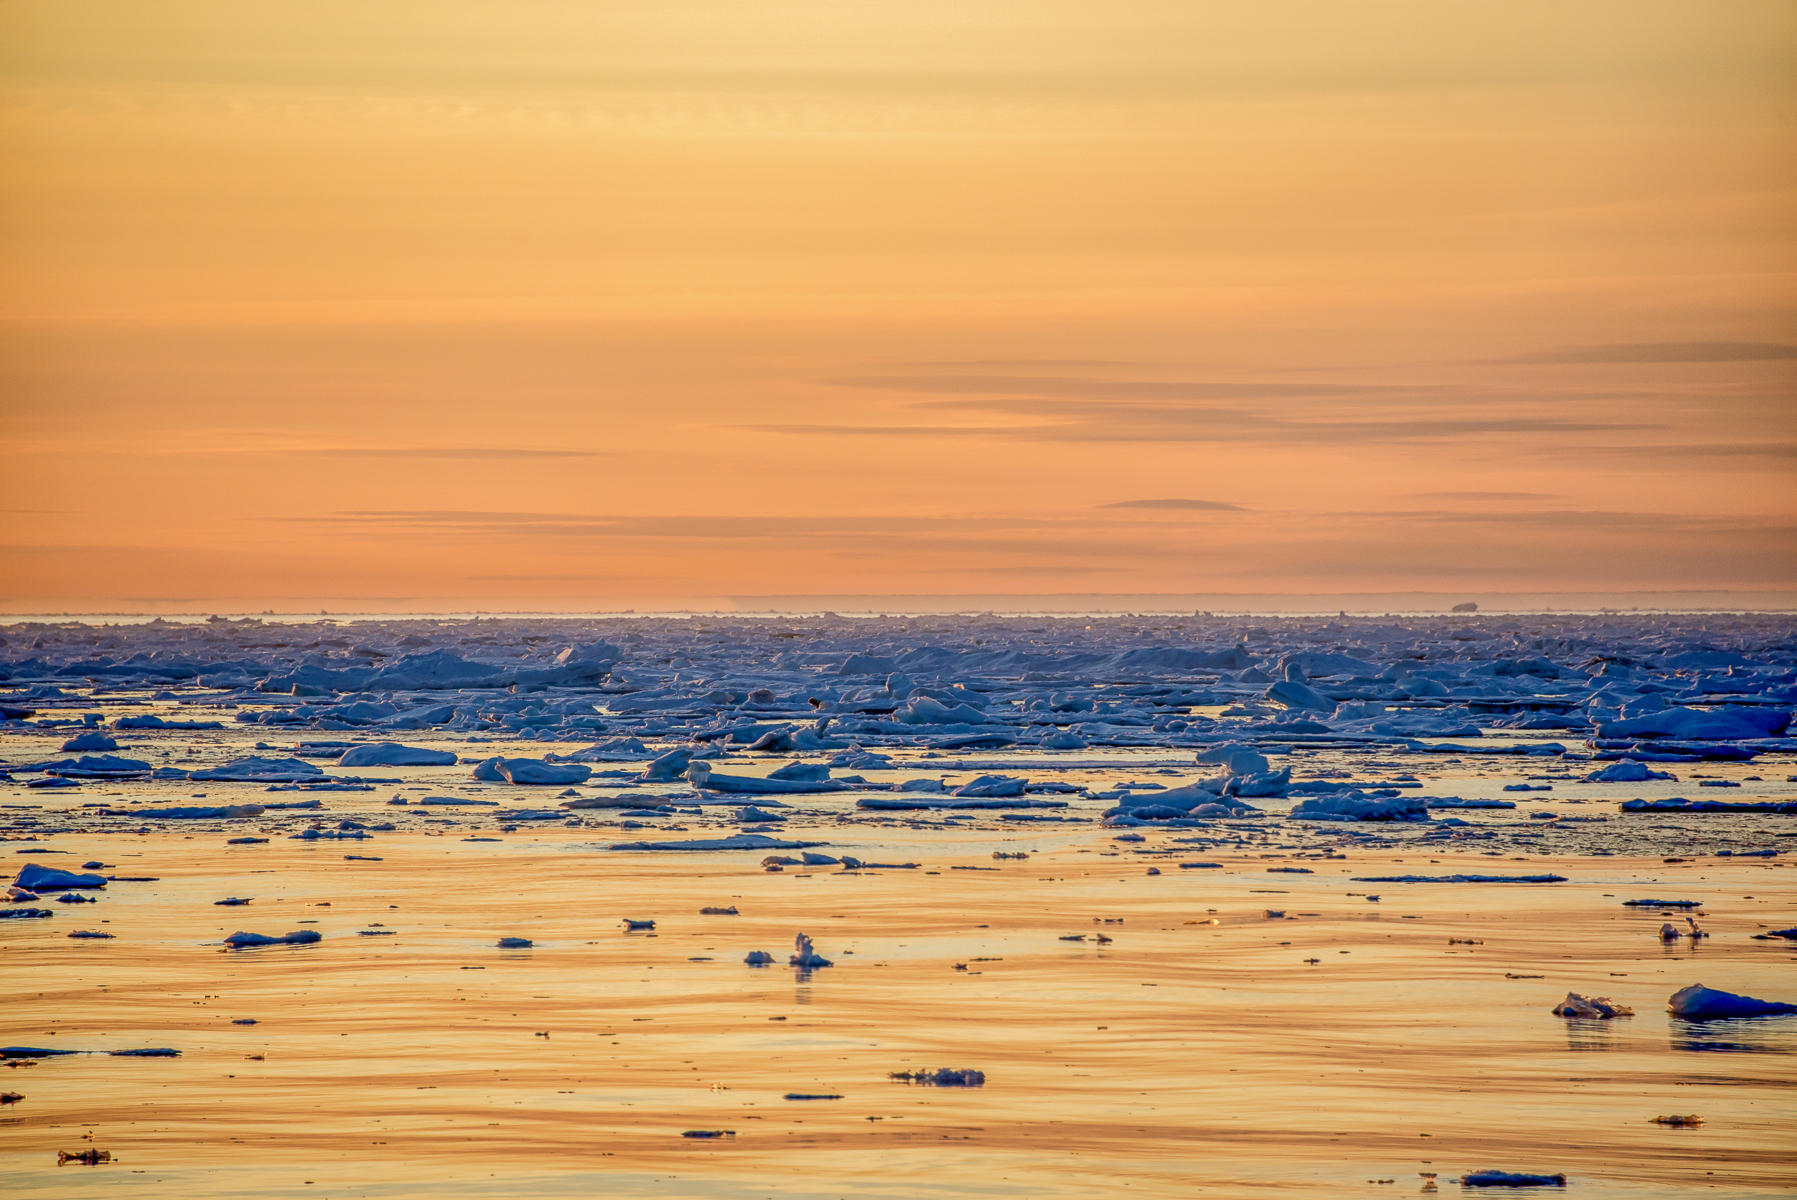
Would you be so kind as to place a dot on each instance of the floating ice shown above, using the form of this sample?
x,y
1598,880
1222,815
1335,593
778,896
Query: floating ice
x,y
701,776
1459,878
1727,724
942,1077
805,957
253,769
35,877
532,772
1627,770
1699,1003
1590,1007
392,754
1510,1179
94,766
299,937
1678,804
1356,807
741,841
191,813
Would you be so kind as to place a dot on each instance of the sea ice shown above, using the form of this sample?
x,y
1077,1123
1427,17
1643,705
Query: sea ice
x,y
1699,1003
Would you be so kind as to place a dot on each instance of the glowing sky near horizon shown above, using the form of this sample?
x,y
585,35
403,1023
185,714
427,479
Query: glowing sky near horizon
x,y
564,303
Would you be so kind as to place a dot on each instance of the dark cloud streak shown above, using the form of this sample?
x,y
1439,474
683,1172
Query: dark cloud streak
x,y
1178,504
1658,352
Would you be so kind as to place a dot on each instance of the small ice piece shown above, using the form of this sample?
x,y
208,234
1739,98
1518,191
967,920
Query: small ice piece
x,y
1236,759
515,943
1291,694
35,878
1591,1007
1680,804
1511,1179
1628,770
253,769
741,841
392,754
1695,724
759,958
221,812
751,813
669,768
992,787
782,782
1351,806
90,741
1699,1003
631,926
942,1077
97,766
1457,879
299,937
532,772
805,957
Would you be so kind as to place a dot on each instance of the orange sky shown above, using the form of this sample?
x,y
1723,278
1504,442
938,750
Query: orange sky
x,y
574,304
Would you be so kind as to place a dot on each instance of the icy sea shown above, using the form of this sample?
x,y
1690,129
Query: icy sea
x,y
899,906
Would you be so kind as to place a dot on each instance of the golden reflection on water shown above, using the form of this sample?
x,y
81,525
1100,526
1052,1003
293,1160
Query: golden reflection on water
x,y
1198,1050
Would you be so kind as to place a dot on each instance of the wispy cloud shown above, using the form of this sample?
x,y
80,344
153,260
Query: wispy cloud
x,y
1660,352
1178,504
1278,412
1099,422
458,453
1492,497
1014,364
961,384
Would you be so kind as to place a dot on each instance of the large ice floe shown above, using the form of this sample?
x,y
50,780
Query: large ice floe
x,y
1699,1003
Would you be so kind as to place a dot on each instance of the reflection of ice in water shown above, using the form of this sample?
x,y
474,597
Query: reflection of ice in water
x,y
1593,1035
1752,1035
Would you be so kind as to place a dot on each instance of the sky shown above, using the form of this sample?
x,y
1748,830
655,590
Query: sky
x,y
572,304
